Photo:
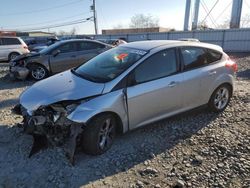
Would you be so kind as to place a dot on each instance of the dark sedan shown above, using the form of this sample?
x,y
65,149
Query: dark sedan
x,y
56,58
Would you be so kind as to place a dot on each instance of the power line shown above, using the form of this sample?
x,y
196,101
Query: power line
x,y
222,12
57,25
38,23
203,4
210,11
42,10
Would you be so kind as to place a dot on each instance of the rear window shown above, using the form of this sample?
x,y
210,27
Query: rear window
x,y
10,41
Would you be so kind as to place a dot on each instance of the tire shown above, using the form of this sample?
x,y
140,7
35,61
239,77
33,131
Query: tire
x,y
13,55
38,72
93,140
220,98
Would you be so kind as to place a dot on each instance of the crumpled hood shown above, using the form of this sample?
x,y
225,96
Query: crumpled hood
x,y
23,56
60,87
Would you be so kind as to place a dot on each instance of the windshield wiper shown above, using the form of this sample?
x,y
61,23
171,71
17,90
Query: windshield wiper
x,y
87,77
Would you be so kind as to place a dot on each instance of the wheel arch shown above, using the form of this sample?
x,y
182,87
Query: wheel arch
x,y
119,123
12,52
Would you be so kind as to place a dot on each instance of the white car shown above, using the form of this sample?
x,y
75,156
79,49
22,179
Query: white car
x,y
11,47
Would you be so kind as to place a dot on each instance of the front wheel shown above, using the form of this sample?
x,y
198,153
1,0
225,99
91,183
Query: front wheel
x,y
99,135
38,72
220,98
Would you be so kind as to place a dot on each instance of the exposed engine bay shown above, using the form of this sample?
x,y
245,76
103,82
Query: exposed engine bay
x,y
49,126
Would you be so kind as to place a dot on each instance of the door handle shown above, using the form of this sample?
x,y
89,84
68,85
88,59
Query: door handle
x,y
211,73
172,84
73,56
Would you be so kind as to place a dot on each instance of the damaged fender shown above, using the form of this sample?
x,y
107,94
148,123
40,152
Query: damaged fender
x,y
111,102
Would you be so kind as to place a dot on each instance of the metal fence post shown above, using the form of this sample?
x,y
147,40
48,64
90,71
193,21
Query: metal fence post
x,y
223,38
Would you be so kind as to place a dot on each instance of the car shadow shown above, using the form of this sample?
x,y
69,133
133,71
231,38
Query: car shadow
x,y
140,145
128,150
245,74
8,103
7,83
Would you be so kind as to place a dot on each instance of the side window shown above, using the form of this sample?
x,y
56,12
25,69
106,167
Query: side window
x,y
213,56
89,46
66,48
1,43
157,66
193,57
10,41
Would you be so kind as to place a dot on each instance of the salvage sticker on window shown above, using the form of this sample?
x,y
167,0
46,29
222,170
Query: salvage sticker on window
x,y
122,56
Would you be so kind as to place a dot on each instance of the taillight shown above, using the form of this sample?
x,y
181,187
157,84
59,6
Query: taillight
x,y
25,47
231,64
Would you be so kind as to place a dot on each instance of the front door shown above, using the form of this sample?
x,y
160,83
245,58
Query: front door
x,y
65,59
157,89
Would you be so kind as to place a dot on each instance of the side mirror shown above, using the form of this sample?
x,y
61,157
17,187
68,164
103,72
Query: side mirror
x,y
56,52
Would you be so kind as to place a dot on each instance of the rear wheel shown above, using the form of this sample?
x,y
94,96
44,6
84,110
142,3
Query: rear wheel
x,y
220,98
13,55
38,72
99,134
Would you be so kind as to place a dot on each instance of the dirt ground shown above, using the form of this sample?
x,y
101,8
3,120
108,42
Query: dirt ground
x,y
194,149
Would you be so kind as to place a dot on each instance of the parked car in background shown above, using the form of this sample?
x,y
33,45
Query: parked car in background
x,y
36,44
113,42
11,47
56,58
127,87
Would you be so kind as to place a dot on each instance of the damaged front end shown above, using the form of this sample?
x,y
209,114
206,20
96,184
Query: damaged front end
x,y
50,126
19,71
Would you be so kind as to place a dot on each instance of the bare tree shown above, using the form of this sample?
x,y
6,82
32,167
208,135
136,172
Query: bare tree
x,y
245,21
73,31
143,21
224,25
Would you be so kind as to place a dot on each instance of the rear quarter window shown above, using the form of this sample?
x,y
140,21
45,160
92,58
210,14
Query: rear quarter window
x,y
213,56
10,41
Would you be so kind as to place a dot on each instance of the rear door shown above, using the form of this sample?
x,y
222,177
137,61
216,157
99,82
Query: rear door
x,y
66,59
156,92
198,74
86,50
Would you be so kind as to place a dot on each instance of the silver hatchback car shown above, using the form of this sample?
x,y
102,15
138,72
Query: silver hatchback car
x,y
125,88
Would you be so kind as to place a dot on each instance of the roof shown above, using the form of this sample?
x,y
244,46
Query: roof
x,y
150,44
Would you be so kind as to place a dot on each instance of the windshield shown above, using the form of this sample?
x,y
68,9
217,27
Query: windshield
x,y
110,64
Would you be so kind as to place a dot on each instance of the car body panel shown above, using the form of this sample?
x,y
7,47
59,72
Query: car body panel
x,y
63,61
156,98
68,87
111,102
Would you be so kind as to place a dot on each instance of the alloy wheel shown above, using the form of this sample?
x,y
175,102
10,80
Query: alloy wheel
x,y
221,98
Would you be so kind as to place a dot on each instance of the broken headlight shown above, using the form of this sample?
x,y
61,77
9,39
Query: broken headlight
x,y
70,108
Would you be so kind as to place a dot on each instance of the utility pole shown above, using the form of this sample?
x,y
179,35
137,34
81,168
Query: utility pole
x,y
94,16
236,14
196,14
187,14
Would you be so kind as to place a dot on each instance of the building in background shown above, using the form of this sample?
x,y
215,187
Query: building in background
x,y
27,34
134,30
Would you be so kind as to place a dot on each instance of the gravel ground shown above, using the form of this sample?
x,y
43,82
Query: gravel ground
x,y
194,149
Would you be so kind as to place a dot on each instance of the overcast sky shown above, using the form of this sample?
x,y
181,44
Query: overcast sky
x,y
23,14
